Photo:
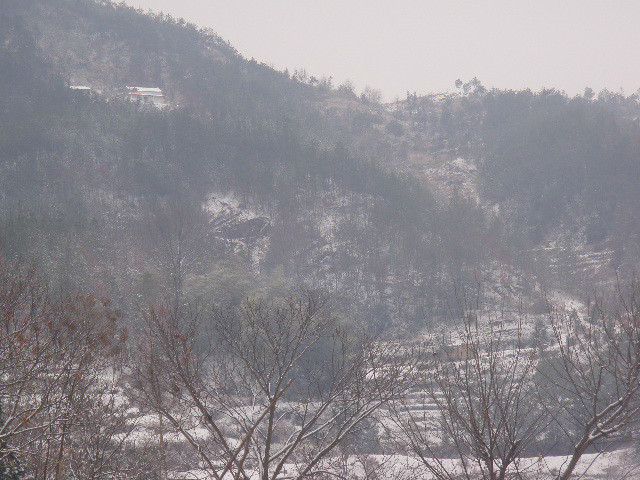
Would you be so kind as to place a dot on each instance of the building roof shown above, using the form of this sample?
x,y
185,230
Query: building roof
x,y
145,91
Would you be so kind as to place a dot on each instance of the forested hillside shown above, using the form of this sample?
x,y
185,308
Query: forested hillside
x,y
264,275
564,170
98,190
312,168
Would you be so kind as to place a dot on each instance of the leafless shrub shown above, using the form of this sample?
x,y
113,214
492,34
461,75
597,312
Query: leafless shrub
x,y
272,390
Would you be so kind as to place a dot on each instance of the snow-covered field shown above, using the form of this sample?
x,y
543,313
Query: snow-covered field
x,y
616,465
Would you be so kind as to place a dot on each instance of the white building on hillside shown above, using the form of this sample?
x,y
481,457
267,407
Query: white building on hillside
x,y
81,88
147,96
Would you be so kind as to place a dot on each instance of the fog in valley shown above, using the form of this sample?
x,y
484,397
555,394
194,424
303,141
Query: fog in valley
x,y
292,240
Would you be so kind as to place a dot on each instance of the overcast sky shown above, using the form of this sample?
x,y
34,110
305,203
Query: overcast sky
x,y
425,45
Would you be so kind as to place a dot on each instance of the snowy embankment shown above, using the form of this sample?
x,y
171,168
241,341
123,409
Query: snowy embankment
x,y
611,466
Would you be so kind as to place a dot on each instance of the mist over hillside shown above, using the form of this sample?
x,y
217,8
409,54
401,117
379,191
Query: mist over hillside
x,y
85,172
167,206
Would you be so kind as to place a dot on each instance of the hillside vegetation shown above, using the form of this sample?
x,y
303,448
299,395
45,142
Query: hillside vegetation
x,y
563,170
87,178
273,277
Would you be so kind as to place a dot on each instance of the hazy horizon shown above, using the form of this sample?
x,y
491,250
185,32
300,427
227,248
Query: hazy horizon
x,y
424,46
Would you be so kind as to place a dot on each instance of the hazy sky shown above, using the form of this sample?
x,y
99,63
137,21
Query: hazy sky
x,y
425,45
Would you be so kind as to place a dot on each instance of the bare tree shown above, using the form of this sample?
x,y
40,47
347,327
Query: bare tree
x,y
492,407
101,442
473,414
52,356
276,388
174,232
591,385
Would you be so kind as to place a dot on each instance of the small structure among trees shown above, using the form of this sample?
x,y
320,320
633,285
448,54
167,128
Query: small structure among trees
x,y
81,88
147,96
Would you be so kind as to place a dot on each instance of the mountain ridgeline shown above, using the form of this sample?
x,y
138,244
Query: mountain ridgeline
x,y
110,197
254,181
213,269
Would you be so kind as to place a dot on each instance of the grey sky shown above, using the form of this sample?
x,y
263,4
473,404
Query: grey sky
x,y
425,45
